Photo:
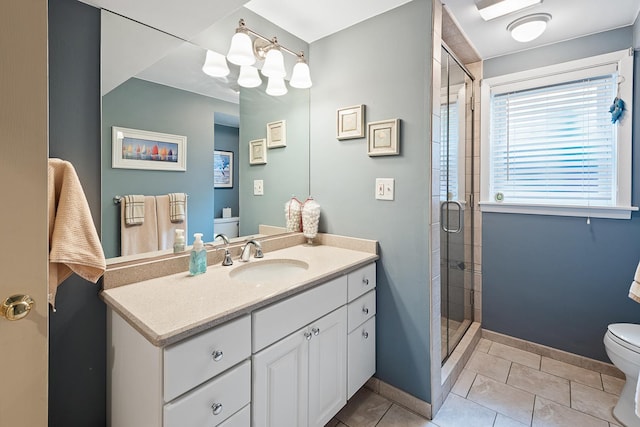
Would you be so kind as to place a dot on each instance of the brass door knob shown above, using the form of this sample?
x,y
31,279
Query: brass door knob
x,y
16,307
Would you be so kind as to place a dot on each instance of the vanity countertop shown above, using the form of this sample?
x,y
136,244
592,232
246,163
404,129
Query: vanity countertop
x,y
170,308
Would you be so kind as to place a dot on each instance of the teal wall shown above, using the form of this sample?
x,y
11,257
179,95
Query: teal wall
x,y
384,63
77,330
286,172
558,281
139,104
226,139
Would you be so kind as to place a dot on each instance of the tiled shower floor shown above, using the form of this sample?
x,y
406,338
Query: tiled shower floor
x,y
502,386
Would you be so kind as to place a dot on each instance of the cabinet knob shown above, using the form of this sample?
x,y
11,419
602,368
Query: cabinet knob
x,y
308,335
217,355
365,310
365,281
315,331
365,334
216,408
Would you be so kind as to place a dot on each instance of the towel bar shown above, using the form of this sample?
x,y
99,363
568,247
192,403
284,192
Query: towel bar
x,y
117,199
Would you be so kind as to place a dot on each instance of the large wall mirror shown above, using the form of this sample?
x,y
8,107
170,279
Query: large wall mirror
x,y
153,81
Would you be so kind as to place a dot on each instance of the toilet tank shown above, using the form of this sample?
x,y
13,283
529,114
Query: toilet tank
x,y
230,227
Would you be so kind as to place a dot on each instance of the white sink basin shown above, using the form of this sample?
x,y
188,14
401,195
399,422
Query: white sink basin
x,y
269,270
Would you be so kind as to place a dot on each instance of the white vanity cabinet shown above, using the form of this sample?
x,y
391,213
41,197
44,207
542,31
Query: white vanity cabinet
x,y
202,380
294,362
361,326
299,379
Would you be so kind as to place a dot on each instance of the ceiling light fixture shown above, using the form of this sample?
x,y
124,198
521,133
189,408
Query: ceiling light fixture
x,y
529,27
215,65
491,9
245,52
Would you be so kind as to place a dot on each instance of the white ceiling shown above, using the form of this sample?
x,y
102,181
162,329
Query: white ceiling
x,y
570,19
195,20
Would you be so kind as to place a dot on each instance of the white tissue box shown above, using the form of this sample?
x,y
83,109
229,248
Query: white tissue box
x,y
226,212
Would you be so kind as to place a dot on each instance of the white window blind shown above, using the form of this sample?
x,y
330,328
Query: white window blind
x,y
449,151
555,144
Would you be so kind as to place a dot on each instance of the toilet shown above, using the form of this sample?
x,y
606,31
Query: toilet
x,y
622,343
230,227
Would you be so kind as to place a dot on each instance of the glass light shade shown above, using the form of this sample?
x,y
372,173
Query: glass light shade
x,y
276,86
215,65
274,64
249,76
241,50
301,77
529,27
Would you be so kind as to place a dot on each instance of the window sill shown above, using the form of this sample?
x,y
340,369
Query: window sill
x,y
611,212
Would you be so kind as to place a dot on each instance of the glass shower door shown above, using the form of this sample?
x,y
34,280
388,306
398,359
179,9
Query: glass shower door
x,y
456,261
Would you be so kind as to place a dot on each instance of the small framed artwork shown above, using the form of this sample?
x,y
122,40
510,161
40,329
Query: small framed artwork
x,y
350,122
384,138
141,149
258,152
222,169
277,134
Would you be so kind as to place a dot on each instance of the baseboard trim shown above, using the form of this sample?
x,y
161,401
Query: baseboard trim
x,y
553,353
399,397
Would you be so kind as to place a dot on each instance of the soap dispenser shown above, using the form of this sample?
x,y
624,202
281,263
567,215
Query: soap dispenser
x,y
178,241
198,258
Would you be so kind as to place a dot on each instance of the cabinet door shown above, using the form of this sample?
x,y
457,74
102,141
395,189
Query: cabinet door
x,y
362,356
280,383
327,367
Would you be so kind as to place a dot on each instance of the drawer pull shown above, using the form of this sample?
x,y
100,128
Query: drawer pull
x,y
217,355
315,331
365,310
308,335
365,334
216,408
365,281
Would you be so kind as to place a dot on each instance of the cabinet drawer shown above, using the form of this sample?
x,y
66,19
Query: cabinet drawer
x,y
361,356
201,357
362,280
242,418
280,319
361,310
228,393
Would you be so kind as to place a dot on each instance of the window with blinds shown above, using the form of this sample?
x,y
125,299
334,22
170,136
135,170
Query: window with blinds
x,y
449,144
555,145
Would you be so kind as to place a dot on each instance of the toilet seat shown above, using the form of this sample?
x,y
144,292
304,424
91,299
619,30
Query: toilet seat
x,y
626,335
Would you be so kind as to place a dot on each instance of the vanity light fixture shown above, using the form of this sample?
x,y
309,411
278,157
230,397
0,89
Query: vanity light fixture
x,y
245,52
529,27
490,9
215,65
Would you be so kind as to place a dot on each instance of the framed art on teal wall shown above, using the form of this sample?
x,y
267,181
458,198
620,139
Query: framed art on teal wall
x,y
141,149
222,169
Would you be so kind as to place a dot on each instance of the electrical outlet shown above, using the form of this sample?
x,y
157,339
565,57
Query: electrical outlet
x,y
385,188
258,187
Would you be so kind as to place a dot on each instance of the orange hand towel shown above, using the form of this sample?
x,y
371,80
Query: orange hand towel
x,y
74,245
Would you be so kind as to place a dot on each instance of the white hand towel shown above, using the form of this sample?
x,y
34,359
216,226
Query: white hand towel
x,y
177,207
133,209
140,238
74,245
166,227
637,399
634,290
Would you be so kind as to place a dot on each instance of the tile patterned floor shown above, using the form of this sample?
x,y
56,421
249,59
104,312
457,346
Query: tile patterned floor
x,y
502,386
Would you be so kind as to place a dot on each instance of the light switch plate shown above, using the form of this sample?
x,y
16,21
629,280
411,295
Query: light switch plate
x,y
258,187
385,188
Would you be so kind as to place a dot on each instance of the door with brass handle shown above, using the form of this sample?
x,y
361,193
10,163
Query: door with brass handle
x,y
16,307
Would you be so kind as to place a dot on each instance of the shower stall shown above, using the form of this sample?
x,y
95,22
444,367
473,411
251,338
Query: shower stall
x,y
456,201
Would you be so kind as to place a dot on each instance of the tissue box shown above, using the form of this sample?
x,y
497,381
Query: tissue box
x,y
226,212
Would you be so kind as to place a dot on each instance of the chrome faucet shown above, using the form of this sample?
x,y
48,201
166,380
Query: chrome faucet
x,y
224,238
227,255
245,253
